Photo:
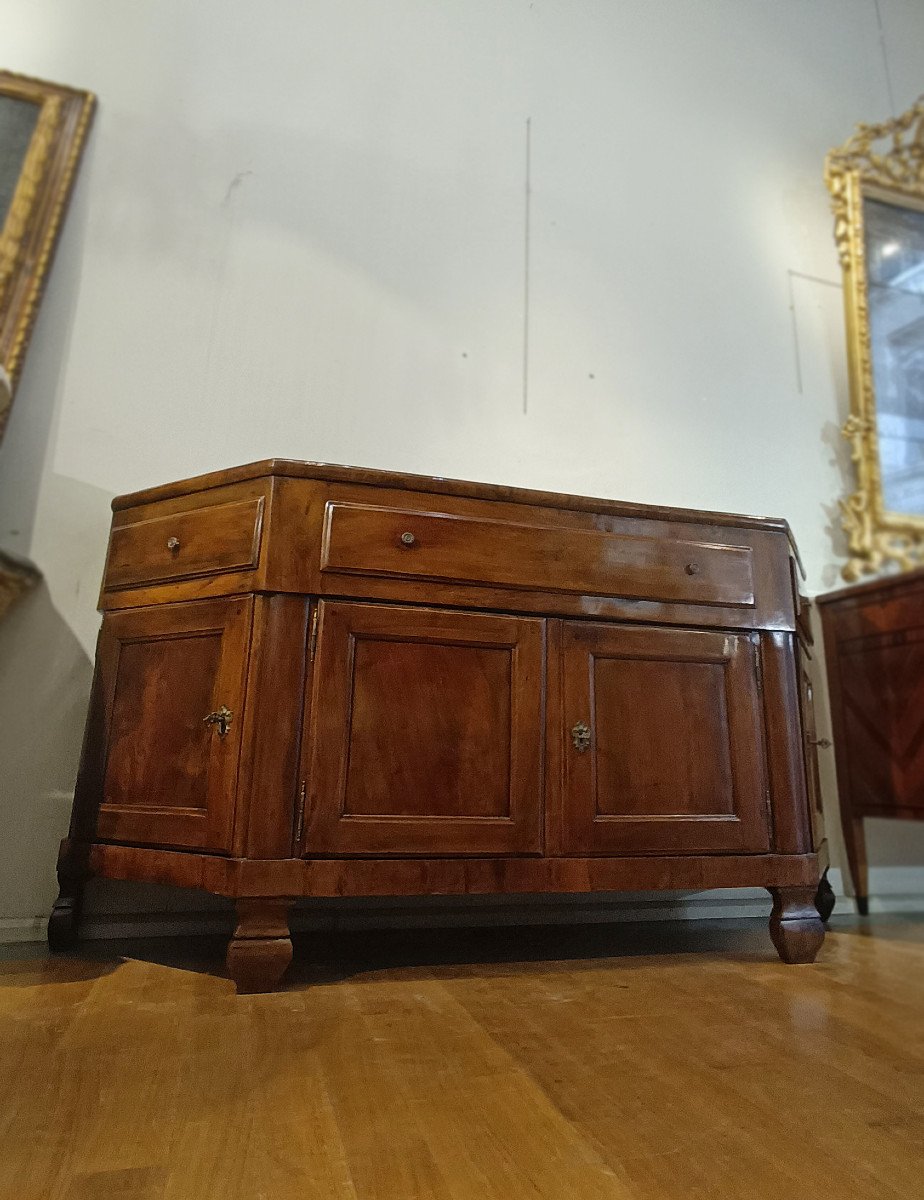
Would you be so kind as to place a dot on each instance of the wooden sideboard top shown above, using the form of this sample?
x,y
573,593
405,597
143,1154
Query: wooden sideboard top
x,y
294,469
886,586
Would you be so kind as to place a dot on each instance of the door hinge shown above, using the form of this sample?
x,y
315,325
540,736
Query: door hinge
x,y
758,666
300,815
313,636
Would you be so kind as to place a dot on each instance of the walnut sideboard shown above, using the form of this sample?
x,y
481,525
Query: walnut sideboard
x,y
326,681
874,649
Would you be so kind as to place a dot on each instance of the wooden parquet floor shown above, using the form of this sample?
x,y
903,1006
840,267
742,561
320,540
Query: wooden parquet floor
x,y
670,1062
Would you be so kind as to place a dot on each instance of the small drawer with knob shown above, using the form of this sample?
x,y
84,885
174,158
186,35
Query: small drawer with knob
x,y
362,539
200,541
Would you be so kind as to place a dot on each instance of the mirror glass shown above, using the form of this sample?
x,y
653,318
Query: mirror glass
x,y
894,242
18,119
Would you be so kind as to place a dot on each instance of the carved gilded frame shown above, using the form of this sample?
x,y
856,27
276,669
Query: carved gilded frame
x,y
28,237
880,162
33,220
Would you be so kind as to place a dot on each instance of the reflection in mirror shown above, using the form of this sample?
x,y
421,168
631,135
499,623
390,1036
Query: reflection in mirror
x,y
894,239
18,119
42,131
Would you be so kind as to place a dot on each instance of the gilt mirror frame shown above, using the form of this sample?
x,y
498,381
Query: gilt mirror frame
x,y
882,163
38,176
43,128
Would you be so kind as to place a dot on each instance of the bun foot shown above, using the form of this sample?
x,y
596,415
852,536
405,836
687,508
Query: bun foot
x,y
795,926
825,899
63,923
261,948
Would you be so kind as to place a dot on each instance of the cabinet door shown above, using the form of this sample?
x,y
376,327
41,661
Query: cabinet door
x,y
169,773
662,742
425,733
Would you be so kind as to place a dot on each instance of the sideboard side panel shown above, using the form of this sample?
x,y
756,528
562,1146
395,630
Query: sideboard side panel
x,y
789,802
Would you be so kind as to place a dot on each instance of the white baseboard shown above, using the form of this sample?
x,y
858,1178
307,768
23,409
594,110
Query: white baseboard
x,y
29,929
893,890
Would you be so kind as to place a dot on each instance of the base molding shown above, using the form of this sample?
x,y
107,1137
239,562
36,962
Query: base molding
x,y
459,876
26,929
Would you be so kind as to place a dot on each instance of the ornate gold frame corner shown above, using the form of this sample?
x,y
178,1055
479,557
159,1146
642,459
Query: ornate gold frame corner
x,y
16,578
30,232
885,162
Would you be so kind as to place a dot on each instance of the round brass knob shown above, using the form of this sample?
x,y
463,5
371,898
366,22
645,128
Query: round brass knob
x,y
173,544
692,568
408,539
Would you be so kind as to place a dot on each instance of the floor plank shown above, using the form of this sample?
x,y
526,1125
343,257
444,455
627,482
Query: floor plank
x,y
666,1062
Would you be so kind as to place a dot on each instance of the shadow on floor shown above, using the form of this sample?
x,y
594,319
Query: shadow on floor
x,y
890,927
331,957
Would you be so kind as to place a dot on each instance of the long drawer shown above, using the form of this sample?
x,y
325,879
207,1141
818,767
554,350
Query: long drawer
x,y
370,540
199,541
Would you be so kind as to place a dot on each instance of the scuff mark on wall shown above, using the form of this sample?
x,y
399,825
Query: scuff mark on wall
x,y
234,185
795,321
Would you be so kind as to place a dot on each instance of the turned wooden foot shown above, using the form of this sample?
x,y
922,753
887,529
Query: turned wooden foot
x,y
64,921
261,948
825,898
795,926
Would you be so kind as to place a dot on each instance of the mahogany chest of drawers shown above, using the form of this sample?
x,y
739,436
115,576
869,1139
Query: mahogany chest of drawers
x,y
874,651
326,681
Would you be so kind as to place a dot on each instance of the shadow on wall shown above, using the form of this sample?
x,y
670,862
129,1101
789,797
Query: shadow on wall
x,y
45,679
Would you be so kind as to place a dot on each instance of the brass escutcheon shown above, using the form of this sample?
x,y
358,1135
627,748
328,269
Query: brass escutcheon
x,y
580,735
222,718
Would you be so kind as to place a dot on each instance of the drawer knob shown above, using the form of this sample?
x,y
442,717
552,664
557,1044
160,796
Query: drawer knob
x,y
173,544
222,718
408,539
580,735
692,568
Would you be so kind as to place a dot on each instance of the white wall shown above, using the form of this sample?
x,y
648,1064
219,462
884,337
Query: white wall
x,y
300,230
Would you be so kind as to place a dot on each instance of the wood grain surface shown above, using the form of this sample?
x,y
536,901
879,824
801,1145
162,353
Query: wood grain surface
x,y
441,710
170,778
675,761
203,541
409,543
426,733
874,657
673,1062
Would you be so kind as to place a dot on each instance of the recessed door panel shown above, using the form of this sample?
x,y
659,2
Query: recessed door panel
x,y
174,679
163,688
426,732
663,748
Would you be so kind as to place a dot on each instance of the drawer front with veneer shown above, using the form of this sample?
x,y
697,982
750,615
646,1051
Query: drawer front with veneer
x,y
200,541
366,540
